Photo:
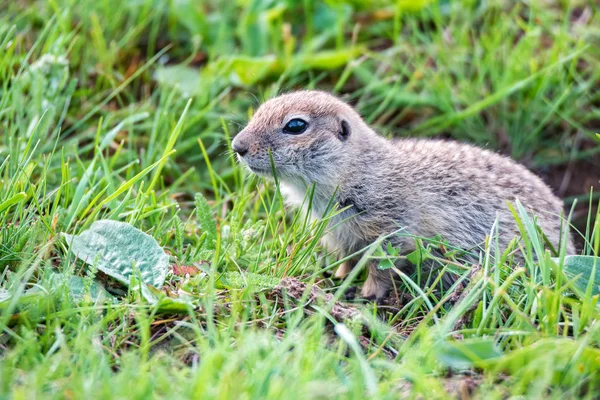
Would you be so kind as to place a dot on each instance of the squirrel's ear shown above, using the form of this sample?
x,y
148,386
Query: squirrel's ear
x,y
344,132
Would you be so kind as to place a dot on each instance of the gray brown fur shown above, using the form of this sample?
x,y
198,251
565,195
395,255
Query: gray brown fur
x,y
426,187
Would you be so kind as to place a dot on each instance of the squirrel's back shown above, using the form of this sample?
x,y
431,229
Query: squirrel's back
x,y
458,190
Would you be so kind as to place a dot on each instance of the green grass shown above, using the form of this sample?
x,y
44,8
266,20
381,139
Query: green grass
x,y
124,110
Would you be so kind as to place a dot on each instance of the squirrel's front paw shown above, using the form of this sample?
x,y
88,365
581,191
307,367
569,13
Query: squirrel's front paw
x,y
344,269
374,289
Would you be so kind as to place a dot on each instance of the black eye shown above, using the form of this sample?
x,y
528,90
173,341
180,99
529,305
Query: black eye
x,y
295,127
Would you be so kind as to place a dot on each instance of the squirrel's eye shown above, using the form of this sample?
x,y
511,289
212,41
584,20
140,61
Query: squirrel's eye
x,y
295,127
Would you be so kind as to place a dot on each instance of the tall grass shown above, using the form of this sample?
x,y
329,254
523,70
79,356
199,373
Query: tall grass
x,y
125,111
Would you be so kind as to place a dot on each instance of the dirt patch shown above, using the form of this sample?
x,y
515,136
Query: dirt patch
x,y
575,179
459,386
462,386
299,291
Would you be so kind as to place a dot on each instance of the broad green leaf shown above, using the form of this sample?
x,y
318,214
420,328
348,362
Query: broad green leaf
x,y
168,305
246,71
165,304
12,201
190,14
467,353
122,252
186,79
583,266
327,60
249,70
79,289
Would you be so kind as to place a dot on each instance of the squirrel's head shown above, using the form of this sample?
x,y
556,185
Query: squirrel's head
x,y
305,135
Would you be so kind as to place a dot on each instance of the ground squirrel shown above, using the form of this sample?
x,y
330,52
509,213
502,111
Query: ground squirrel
x,y
424,187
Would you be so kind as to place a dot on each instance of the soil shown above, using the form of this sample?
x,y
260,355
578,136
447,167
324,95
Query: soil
x,y
575,179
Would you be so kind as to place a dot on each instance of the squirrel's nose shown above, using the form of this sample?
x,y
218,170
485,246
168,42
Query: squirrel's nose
x,y
240,149
240,143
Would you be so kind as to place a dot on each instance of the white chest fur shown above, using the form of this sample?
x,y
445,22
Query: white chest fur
x,y
296,197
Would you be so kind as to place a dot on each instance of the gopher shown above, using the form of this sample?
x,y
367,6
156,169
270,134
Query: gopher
x,y
416,187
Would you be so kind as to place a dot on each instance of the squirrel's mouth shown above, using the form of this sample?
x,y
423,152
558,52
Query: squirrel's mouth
x,y
260,171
